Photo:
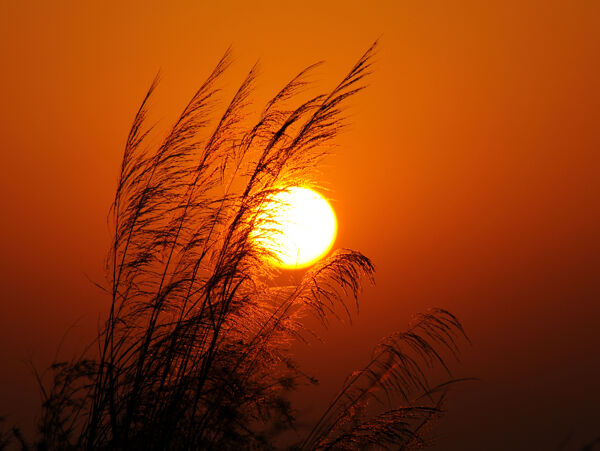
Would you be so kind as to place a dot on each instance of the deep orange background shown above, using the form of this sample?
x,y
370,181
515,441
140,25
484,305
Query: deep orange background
x,y
470,176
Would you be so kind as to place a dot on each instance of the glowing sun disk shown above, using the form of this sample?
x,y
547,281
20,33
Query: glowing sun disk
x,y
298,226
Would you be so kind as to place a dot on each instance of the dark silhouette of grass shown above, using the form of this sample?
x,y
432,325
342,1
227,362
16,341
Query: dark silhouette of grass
x,y
195,352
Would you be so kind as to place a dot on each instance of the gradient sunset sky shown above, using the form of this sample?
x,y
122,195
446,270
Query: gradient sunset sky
x,y
470,175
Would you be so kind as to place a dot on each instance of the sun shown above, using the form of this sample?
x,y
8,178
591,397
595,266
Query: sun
x,y
297,225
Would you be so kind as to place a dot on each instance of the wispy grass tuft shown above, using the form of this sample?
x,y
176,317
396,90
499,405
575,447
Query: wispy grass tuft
x,y
195,351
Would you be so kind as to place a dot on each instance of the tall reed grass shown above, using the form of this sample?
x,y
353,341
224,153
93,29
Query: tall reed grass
x,y
195,351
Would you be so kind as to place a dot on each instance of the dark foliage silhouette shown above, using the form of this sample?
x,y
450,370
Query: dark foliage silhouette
x,y
195,351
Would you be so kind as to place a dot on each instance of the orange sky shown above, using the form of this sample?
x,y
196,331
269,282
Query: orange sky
x,y
470,176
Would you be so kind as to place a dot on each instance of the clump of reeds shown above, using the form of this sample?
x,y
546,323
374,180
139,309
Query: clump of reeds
x,y
195,352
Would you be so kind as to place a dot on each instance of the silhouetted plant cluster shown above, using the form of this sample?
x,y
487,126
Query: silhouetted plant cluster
x,y
195,352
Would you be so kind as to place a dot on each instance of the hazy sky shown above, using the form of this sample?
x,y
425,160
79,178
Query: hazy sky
x,y
470,175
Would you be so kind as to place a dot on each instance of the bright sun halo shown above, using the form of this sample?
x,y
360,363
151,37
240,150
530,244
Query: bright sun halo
x,y
298,226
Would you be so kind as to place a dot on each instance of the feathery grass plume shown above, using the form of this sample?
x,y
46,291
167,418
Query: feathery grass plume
x,y
395,376
195,352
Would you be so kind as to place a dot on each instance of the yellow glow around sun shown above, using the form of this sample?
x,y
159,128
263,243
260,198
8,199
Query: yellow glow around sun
x,y
298,226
